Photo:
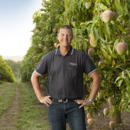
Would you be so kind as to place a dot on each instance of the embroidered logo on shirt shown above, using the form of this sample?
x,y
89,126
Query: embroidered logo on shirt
x,y
73,64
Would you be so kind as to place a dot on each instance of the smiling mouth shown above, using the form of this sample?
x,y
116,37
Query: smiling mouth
x,y
65,41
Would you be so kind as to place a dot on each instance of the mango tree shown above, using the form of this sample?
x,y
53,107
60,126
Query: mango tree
x,y
109,36
6,73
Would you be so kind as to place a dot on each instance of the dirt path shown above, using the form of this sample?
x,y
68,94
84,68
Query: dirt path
x,y
8,119
4,90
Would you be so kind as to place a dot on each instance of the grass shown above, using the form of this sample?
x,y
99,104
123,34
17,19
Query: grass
x,y
6,97
3,85
31,112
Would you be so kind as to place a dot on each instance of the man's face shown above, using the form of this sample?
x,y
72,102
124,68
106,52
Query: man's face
x,y
65,36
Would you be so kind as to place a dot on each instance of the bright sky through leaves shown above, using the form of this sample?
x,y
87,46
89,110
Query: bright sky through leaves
x,y
16,25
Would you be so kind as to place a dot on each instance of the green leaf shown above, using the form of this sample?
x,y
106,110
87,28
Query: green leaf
x,y
84,46
123,58
100,31
107,57
129,100
116,42
118,78
102,6
128,89
123,88
103,41
127,81
108,2
95,32
92,28
110,51
107,30
127,94
120,18
120,82
89,22
128,73
113,27
86,40
128,109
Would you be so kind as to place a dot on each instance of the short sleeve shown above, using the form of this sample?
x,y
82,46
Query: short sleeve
x,y
89,66
41,67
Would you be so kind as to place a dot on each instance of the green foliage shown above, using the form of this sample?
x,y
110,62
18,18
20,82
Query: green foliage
x,y
6,73
123,82
15,66
0,82
108,35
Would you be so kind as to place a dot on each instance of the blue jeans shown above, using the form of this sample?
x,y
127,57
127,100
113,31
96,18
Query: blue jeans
x,y
59,112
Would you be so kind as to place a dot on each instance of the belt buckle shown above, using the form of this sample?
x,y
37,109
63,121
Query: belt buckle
x,y
65,101
60,100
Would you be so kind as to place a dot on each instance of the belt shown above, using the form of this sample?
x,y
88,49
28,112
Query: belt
x,y
65,100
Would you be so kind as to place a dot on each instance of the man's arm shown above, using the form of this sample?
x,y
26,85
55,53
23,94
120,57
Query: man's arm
x,y
95,86
35,82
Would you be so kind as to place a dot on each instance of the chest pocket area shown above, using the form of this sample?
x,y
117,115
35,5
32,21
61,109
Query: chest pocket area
x,y
73,70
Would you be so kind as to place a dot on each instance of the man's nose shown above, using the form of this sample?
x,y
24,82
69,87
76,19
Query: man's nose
x,y
65,36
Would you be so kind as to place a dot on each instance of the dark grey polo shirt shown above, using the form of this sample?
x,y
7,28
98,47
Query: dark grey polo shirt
x,y
65,72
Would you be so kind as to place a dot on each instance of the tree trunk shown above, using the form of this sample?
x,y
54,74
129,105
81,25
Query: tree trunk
x,y
116,117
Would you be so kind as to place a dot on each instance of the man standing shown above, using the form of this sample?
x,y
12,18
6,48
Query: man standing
x,y
65,67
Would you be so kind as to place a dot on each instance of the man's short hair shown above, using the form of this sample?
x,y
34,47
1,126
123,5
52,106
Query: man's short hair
x,y
65,27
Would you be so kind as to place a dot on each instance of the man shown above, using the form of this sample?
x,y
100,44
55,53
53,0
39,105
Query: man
x,y
65,67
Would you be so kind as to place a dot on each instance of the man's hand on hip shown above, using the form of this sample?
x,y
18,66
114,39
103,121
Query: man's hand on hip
x,y
83,103
46,100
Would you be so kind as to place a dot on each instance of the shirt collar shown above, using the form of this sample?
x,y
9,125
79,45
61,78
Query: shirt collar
x,y
70,52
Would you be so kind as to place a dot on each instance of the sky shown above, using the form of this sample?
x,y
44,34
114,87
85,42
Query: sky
x,y
16,24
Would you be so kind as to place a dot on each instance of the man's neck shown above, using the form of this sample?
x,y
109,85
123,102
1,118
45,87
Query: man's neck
x,y
64,50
